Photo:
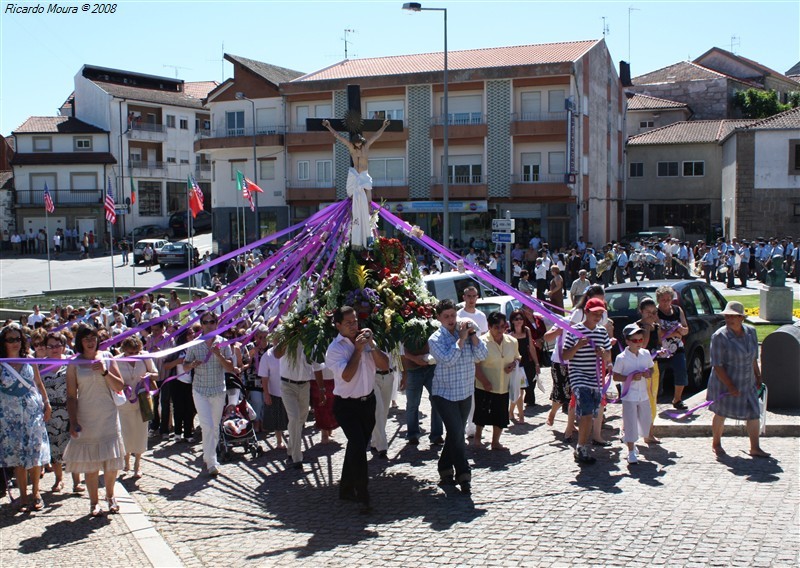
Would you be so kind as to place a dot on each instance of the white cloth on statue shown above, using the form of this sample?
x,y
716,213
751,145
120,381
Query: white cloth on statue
x,y
357,183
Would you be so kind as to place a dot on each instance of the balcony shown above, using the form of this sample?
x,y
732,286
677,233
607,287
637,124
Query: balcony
x,y
147,131
202,171
392,189
539,126
222,138
461,187
467,127
147,168
541,187
61,198
310,190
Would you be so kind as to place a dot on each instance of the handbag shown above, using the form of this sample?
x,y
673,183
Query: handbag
x,y
146,405
118,397
545,360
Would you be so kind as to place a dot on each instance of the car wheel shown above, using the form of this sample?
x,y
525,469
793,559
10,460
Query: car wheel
x,y
697,375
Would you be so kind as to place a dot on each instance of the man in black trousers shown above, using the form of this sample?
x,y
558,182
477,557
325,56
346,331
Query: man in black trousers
x,y
354,358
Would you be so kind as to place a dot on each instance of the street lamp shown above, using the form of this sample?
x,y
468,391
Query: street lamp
x,y
241,96
417,7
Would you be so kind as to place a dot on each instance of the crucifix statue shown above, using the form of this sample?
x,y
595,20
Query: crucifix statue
x,y
359,182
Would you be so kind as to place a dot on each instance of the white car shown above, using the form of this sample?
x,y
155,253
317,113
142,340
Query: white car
x,y
138,249
451,285
504,304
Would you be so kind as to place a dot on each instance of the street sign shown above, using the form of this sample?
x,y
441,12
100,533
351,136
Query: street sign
x,y
507,238
503,225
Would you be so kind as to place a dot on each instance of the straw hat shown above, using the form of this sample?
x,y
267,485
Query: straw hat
x,y
733,309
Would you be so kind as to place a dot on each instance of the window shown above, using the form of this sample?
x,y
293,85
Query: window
x,y
667,169
300,116
465,170
234,122
695,302
81,144
694,218
171,157
636,169
693,169
555,101
794,157
634,218
393,110
530,105
237,165
303,170
184,123
387,171
465,109
149,198
176,196
38,181
324,173
322,111
556,163
42,144
716,305
170,121
266,169
266,120
135,157
531,166
83,181
184,156
646,124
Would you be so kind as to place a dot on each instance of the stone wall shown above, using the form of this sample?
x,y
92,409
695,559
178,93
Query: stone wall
x,y
709,99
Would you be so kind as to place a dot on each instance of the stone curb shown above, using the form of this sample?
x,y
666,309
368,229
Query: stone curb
x,y
154,546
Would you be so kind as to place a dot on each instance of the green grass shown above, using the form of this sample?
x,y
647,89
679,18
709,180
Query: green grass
x,y
753,301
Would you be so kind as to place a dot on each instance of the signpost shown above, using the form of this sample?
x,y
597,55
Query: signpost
x,y
503,225
503,238
503,233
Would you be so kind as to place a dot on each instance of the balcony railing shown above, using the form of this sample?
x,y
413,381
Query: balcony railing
x,y
147,126
147,165
389,182
538,116
61,197
234,132
537,178
461,119
460,180
309,184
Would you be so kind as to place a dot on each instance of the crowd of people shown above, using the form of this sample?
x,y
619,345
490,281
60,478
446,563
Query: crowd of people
x,y
32,243
106,405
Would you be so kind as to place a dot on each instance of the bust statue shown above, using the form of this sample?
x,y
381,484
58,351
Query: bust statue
x,y
776,276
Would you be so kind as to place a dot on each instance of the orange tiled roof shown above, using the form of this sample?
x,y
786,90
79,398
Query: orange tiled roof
x,y
646,102
56,125
678,72
788,119
688,132
199,89
766,71
456,60
272,73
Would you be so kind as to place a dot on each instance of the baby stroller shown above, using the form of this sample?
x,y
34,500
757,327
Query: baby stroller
x,y
236,427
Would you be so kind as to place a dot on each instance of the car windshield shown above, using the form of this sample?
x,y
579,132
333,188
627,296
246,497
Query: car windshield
x,y
626,302
172,248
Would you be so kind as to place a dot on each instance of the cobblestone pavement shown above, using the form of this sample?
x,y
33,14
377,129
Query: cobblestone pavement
x,y
531,505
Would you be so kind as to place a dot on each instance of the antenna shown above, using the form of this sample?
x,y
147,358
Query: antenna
x,y
176,67
221,64
735,41
346,41
605,27
630,9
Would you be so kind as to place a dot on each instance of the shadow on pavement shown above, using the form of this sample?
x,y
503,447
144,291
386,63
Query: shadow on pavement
x,y
758,470
63,533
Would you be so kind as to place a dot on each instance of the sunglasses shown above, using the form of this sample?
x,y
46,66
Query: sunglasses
x,y
37,345
640,340
13,339
518,319
56,346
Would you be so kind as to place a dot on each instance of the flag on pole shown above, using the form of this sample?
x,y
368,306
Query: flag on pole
x,y
49,206
133,192
247,188
111,214
195,196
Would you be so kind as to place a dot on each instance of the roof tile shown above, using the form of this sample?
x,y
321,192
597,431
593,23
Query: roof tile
x,y
646,102
56,125
788,119
688,132
154,96
272,73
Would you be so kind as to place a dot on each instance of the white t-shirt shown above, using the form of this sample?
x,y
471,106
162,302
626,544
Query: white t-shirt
x,y
478,317
270,368
628,363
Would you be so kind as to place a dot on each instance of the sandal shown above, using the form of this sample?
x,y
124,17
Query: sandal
x,y
95,510
113,506
58,486
38,504
80,488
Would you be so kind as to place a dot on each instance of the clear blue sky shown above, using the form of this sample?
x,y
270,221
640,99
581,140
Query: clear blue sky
x,y
41,53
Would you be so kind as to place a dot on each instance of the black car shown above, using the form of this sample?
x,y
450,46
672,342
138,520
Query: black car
x,y
147,231
700,302
179,221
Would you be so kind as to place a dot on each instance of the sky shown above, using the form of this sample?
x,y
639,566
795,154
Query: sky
x,y
41,53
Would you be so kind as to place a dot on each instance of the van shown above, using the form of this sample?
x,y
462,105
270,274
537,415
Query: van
x,y
451,285
673,231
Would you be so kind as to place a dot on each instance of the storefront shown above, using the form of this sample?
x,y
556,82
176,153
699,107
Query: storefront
x,y
468,219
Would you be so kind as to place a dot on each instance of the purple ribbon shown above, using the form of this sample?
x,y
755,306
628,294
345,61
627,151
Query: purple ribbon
x,y
680,416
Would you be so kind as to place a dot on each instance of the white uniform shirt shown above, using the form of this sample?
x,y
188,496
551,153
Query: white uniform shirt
x,y
299,369
336,358
628,363
269,367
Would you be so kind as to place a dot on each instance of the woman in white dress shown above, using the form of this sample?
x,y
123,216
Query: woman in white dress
x,y
134,427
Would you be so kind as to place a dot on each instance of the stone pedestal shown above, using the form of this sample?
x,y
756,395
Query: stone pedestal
x,y
775,304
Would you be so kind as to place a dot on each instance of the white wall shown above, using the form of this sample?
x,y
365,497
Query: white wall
x,y
728,180
772,160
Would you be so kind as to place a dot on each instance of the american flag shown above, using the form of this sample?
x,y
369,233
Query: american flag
x,y
111,214
49,206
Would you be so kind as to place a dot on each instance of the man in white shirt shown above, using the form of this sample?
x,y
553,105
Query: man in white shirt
x,y
35,317
354,358
297,372
578,288
471,313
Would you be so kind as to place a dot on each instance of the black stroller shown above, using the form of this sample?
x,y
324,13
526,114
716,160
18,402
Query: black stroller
x,y
236,427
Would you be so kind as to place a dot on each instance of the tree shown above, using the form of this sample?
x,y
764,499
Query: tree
x,y
757,103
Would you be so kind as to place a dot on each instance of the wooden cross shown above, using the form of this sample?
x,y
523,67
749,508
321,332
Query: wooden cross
x,y
352,121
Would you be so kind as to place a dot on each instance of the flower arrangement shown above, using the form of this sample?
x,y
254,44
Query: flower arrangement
x,y
390,299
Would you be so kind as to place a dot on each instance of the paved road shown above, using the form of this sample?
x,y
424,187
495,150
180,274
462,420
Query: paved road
x,y
530,506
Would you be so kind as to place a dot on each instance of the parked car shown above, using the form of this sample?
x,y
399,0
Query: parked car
x,y
504,304
147,231
451,285
179,222
700,302
138,250
176,253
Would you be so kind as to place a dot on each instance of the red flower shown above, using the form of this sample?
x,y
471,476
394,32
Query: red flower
x,y
421,311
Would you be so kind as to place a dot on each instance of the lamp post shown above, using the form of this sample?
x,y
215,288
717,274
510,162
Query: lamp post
x,y
417,7
241,96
